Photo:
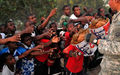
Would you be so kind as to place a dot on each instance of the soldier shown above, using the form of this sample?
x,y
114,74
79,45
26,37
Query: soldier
x,y
111,46
65,17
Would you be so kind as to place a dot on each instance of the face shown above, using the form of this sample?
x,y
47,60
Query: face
x,y
102,10
70,27
10,60
32,18
28,41
112,4
67,11
27,24
2,29
54,27
11,26
77,11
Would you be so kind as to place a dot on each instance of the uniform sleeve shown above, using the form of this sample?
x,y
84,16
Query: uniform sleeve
x,y
61,19
109,47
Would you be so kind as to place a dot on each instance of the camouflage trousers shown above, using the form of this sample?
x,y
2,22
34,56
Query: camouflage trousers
x,y
102,72
110,66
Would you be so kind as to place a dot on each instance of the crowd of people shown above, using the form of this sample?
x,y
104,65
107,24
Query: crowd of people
x,y
68,47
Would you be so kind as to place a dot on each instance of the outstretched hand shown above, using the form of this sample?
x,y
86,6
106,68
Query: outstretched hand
x,y
53,12
55,39
15,38
38,47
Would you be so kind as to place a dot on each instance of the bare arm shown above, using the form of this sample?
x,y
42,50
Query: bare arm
x,y
53,12
14,38
37,48
29,29
84,19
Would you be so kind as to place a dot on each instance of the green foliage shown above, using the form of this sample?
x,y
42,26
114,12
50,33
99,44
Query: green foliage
x,y
95,4
20,9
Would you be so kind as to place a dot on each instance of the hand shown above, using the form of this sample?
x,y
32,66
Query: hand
x,y
55,39
41,46
53,12
73,54
49,33
90,37
42,18
90,10
15,38
85,9
90,18
98,41
38,48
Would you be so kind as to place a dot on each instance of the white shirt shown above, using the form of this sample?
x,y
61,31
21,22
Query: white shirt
x,y
3,35
7,71
74,18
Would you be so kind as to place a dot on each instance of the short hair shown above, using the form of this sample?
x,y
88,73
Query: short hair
x,y
65,7
110,10
52,24
3,57
74,7
6,23
2,25
23,36
30,15
99,9
98,12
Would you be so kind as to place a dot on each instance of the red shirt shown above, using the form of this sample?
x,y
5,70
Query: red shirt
x,y
74,64
44,57
67,39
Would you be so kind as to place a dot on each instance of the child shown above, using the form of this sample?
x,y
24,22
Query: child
x,y
8,61
27,62
2,34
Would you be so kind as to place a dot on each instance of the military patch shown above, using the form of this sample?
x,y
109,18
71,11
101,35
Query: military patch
x,y
117,34
119,18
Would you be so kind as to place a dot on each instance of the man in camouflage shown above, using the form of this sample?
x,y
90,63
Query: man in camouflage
x,y
110,47
64,18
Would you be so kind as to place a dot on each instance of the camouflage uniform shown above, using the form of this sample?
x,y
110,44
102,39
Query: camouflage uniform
x,y
62,19
111,49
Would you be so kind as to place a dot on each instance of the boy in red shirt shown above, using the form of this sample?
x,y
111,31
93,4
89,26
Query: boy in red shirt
x,y
75,60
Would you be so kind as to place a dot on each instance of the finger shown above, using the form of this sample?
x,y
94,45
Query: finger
x,y
38,49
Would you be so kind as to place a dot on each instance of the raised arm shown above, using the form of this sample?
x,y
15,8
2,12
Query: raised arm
x,y
14,38
80,19
37,48
53,12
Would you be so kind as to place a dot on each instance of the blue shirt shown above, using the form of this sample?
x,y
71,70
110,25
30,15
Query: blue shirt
x,y
17,52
